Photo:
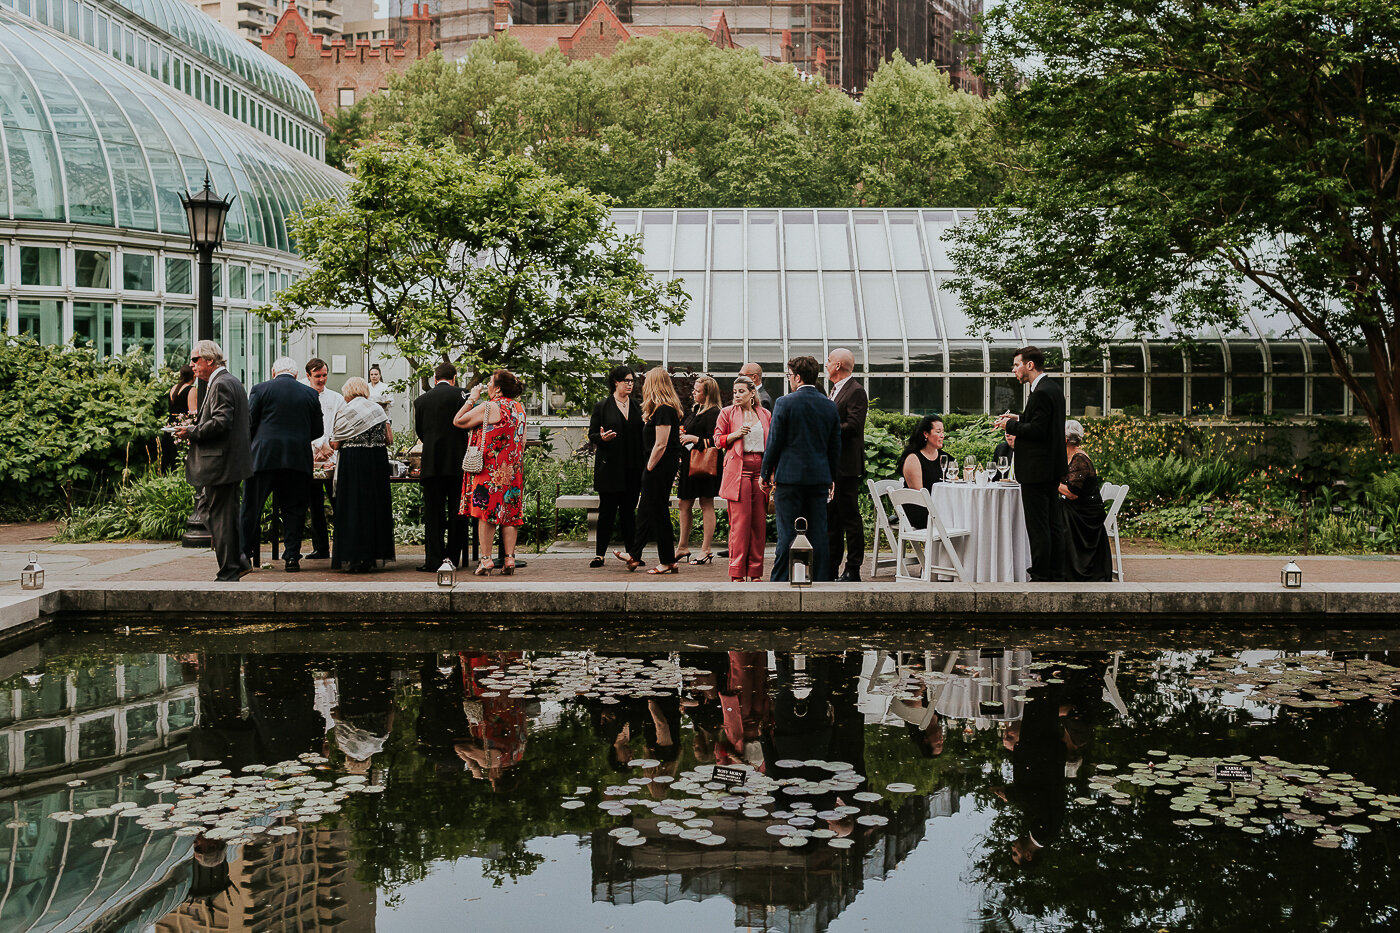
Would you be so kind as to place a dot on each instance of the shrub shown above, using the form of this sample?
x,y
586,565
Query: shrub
x,y
1175,479
152,506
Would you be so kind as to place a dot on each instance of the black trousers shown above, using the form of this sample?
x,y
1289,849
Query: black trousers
x,y
654,513
1045,526
616,508
845,531
221,516
289,490
316,510
444,530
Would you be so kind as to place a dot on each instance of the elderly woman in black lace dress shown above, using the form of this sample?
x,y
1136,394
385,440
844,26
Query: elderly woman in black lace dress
x,y
1087,556
364,515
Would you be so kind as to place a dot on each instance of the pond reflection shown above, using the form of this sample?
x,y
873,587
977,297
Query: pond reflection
x,y
981,788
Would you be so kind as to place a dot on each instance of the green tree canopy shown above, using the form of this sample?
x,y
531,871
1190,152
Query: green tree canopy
x,y
1180,163
674,121
490,264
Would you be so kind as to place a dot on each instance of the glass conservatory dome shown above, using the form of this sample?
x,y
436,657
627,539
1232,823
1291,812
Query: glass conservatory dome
x,y
87,140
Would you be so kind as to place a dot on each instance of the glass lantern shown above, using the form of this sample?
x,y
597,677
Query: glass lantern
x,y
800,556
446,574
32,576
1292,575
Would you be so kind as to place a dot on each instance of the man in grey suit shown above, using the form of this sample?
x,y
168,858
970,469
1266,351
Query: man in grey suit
x,y
220,456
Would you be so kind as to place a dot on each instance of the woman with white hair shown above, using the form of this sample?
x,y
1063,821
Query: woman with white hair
x,y
1087,556
364,515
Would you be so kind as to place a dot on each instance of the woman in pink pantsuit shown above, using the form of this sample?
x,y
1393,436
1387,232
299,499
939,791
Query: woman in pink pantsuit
x,y
742,432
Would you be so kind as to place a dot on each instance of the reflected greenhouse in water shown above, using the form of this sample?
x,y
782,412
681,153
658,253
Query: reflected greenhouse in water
x,y
193,789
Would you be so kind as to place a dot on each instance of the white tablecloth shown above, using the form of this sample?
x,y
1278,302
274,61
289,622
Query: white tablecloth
x,y
998,550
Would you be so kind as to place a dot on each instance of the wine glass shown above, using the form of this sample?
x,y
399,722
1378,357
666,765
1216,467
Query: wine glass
x,y
950,471
1003,466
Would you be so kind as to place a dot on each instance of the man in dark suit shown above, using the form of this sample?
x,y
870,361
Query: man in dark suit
x,y
441,472
846,530
220,456
1040,462
802,456
1007,449
755,373
285,416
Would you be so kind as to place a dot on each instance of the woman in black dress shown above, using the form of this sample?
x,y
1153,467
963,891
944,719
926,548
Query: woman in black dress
x,y
924,462
661,423
1087,555
180,403
364,514
698,433
615,431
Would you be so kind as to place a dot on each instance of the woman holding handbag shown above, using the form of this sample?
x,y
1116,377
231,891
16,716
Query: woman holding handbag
x,y
700,469
661,422
493,492
742,432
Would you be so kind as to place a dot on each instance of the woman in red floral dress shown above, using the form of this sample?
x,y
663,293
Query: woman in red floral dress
x,y
495,495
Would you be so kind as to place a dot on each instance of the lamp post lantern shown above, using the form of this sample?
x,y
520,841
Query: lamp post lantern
x,y
205,213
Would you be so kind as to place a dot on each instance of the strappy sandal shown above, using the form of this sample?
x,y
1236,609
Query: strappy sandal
x,y
484,567
508,568
626,559
659,569
703,558
683,556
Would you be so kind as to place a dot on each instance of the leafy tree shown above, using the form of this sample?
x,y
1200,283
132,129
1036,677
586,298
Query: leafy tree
x,y
1187,162
344,130
493,264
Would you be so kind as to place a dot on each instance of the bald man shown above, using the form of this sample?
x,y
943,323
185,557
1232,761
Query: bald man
x,y
846,531
755,372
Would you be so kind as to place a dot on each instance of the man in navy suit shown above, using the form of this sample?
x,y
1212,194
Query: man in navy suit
x,y
803,457
1041,462
285,416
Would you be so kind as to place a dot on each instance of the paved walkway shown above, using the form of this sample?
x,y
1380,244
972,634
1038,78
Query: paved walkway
x,y
168,562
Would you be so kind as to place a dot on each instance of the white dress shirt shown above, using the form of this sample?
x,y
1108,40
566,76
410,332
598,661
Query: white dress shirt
x,y
836,387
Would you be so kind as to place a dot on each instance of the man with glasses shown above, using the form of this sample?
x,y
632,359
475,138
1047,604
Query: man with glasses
x,y
220,456
802,456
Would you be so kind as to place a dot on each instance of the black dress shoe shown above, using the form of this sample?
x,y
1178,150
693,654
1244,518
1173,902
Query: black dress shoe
x,y
317,555
424,568
292,566
850,576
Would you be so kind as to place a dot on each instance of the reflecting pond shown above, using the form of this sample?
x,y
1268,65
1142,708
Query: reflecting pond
x,y
185,787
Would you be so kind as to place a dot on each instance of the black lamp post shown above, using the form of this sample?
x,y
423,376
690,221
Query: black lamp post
x,y
205,211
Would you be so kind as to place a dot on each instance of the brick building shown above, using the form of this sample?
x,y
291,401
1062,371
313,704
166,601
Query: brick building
x,y
340,73
599,32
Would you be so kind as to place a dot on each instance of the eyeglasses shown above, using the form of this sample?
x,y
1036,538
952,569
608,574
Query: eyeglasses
x,y
196,359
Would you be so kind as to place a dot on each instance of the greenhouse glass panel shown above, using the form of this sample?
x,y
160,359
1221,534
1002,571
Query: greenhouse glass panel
x,y
97,738
1360,361
138,272
764,316
1087,359
804,348
726,306
804,319
726,358
235,349
763,239
42,319
44,748
1288,356
257,290
1246,357
1206,357
799,240
966,358
926,395
1166,358
218,275
920,322
179,334
142,726
1086,394
885,357
925,357
50,699
936,226
1208,395
690,240
684,356
181,715
1007,394
178,276
728,248
1289,395
881,310
956,323
832,238
768,356
94,688
624,221
1126,394
840,300
1168,395
92,268
139,327
965,396
257,339
886,393
872,248
1001,357
1246,396
40,265
34,176
237,282
92,325
1329,396
904,237
692,328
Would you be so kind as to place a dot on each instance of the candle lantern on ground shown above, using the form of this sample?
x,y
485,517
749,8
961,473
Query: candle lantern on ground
x,y
1292,575
32,576
800,556
446,574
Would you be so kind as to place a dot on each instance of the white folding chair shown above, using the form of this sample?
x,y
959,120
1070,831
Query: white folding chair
x,y
929,542
1114,495
878,489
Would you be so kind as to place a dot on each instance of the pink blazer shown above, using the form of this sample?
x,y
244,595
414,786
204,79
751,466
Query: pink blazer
x,y
731,420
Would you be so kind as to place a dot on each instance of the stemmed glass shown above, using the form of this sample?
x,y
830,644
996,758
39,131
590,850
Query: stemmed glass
x,y
950,471
1003,466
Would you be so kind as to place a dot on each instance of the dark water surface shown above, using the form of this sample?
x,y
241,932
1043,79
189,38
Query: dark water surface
x,y
192,783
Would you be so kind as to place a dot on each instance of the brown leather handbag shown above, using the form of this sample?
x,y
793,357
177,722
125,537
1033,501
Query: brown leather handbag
x,y
704,462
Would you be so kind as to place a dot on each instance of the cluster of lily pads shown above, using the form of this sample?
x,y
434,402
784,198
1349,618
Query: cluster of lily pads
x,y
217,804
1308,796
1304,682
569,676
776,801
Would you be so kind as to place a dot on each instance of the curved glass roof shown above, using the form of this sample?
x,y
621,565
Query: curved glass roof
x,y
86,139
205,36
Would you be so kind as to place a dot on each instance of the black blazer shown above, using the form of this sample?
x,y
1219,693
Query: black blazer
x,y
618,463
443,443
1040,435
285,417
851,406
